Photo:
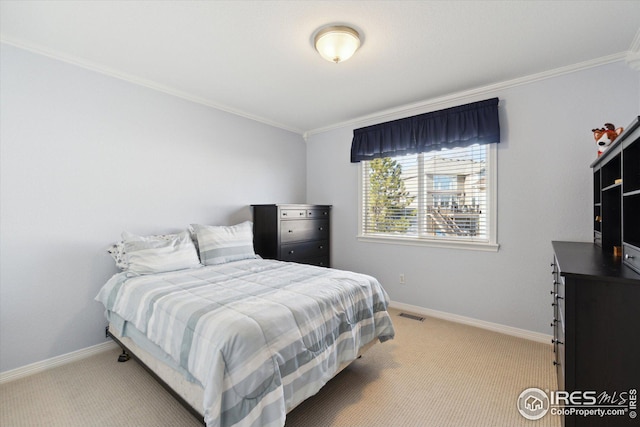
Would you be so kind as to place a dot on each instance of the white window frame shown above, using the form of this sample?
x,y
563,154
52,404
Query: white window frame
x,y
492,217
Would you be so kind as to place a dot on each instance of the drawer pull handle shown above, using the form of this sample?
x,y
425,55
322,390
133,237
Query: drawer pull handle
x,y
320,247
553,304
284,214
290,231
554,322
556,341
290,252
627,256
555,363
302,214
320,228
558,297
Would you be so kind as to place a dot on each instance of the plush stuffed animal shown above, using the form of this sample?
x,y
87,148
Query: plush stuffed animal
x,y
605,136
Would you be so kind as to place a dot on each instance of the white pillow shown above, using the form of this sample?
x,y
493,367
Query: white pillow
x,y
220,244
117,253
157,254
120,257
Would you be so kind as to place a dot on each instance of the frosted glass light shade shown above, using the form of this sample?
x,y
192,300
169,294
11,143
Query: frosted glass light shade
x,y
337,44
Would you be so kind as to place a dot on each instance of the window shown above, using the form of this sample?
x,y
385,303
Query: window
x,y
443,198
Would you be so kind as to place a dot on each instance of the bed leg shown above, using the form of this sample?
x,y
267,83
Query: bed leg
x,y
124,356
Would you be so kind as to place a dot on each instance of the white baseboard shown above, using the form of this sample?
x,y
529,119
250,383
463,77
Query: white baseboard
x,y
63,359
34,368
496,327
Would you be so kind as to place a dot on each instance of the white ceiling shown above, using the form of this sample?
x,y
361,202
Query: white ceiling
x,y
256,58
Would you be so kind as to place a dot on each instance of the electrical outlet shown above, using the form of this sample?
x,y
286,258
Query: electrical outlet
x,y
402,282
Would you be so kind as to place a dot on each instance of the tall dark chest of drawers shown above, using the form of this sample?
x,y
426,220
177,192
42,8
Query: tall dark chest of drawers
x,y
293,232
596,300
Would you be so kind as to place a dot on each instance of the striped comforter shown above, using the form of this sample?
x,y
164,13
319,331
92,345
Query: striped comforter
x,y
260,336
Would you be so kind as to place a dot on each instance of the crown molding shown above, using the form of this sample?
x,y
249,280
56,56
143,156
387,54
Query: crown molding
x,y
633,56
443,101
140,81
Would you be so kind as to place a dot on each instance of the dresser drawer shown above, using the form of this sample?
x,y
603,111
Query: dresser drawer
x,y
559,297
293,213
560,364
317,213
304,229
320,262
301,251
631,256
560,304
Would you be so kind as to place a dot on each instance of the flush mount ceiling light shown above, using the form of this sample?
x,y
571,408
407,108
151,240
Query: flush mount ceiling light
x,y
337,43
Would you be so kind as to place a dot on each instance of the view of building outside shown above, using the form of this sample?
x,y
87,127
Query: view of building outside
x,y
437,194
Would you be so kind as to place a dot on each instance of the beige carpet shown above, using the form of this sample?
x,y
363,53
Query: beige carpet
x,y
435,373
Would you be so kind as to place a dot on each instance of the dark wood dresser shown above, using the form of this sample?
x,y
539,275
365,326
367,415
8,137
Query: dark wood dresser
x,y
596,331
293,232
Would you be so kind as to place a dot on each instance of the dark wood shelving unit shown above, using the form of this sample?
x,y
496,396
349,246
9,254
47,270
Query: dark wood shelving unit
x,y
616,197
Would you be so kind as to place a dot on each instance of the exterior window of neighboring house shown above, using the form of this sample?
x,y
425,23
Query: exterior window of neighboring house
x,y
444,198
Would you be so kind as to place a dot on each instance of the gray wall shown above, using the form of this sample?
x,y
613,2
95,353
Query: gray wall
x,y
544,194
84,157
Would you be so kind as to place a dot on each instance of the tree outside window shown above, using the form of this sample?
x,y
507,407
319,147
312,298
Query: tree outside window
x,y
389,200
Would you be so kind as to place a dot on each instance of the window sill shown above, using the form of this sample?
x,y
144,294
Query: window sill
x,y
447,244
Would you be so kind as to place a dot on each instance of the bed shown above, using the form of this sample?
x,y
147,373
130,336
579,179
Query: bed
x,y
244,340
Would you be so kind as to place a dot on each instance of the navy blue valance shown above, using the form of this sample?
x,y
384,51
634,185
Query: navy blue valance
x,y
475,123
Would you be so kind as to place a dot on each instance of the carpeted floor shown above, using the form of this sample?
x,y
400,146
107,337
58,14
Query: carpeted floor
x,y
435,373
